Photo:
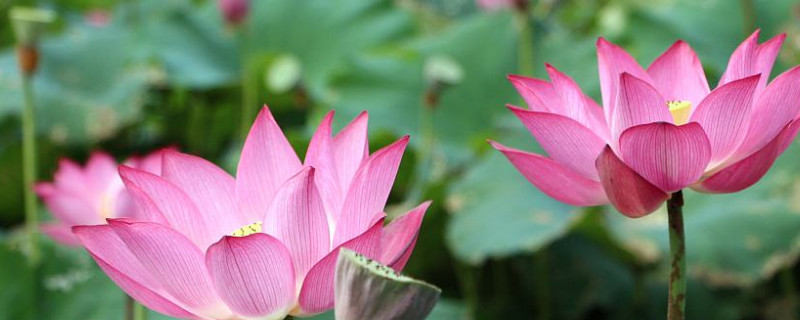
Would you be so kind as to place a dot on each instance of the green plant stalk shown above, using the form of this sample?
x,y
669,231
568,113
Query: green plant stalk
x,y
249,89
522,20
525,45
677,245
465,274
139,312
787,282
134,310
29,167
425,154
748,16
541,267
248,100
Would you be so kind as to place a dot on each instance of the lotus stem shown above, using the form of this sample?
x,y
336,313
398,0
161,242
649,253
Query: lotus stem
x,y
249,90
787,281
425,154
29,167
522,20
748,16
139,312
542,269
134,310
677,245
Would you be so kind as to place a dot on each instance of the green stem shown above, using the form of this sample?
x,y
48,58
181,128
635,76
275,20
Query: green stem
x,y
787,281
423,173
469,288
249,90
139,312
748,16
134,310
29,167
542,284
522,20
677,246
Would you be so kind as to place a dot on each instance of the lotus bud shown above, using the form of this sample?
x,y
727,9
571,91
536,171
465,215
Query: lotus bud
x,y
234,11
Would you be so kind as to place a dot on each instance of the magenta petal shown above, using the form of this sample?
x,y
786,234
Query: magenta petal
x,y
320,155
70,209
176,263
105,245
351,148
789,136
777,105
100,170
144,295
750,58
725,116
638,103
570,143
253,275
670,157
540,95
400,236
678,74
150,162
317,293
44,189
631,194
613,61
69,176
117,261
297,217
748,171
369,191
161,201
573,100
60,232
208,186
266,162
554,179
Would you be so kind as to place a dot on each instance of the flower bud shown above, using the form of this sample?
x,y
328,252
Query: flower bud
x,y
234,11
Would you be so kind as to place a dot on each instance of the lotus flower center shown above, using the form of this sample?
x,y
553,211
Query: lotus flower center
x,y
680,111
106,206
247,230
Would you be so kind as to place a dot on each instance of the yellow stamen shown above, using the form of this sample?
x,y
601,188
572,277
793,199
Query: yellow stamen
x,y
680,111
247,230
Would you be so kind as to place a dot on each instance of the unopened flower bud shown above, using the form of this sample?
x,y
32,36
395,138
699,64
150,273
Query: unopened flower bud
x,y
234,11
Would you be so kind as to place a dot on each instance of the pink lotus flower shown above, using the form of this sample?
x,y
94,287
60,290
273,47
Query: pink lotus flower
x,y
90,195
662,129
491,5
262,245
234,11
97,18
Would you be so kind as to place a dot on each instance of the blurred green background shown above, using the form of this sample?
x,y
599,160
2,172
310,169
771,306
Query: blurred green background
x,y
131,76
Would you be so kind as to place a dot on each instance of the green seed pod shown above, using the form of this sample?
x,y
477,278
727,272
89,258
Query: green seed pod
x,y
366,289
29,23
